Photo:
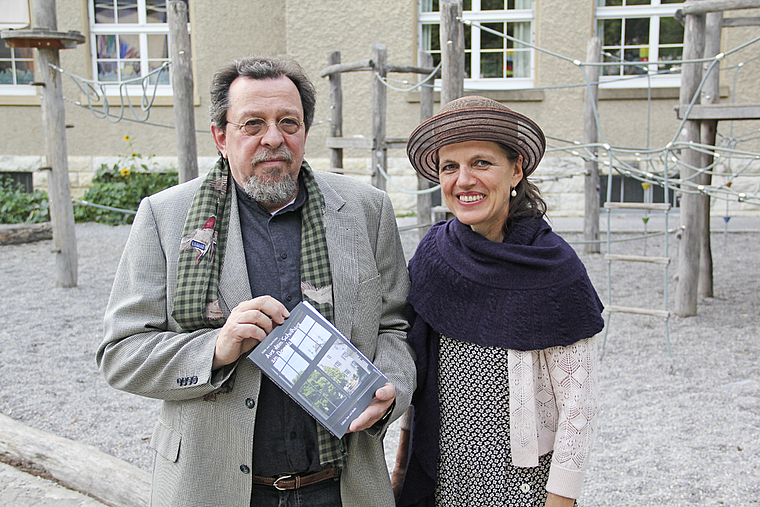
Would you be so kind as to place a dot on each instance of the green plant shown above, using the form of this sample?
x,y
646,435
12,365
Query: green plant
x,y
17,206
122,186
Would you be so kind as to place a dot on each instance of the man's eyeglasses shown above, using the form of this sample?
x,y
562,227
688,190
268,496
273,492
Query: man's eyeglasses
x,y
258,126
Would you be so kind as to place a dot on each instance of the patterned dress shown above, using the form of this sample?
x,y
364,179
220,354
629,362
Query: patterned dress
x,y
474,466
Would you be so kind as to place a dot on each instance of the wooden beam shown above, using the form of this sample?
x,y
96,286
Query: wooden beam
x,y
750,21
720,112
346,67
590,137
75,465
349,142
410,69
705,6
182,88
452,51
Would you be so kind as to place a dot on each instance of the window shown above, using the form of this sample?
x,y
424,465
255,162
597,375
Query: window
x,y
16,70
491,61
130,39
640,31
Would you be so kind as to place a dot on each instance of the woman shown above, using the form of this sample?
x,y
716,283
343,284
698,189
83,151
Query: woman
x,y
503,315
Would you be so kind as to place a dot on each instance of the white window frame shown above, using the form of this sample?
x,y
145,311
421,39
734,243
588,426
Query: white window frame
x,y
142,29
654,12
482,17
18,89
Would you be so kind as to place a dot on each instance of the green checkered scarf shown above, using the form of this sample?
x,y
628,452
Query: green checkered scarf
x,y
196,303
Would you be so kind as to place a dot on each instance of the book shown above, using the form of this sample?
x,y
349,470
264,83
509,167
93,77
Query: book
x,y
309,359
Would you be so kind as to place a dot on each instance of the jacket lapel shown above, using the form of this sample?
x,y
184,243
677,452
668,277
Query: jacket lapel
x,y
340,228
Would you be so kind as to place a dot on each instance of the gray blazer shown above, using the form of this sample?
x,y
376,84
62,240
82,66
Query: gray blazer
x,y
204,436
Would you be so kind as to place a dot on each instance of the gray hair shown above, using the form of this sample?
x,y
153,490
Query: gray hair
x,y
259,67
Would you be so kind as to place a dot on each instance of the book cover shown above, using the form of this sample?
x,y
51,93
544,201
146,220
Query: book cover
x,y
308,358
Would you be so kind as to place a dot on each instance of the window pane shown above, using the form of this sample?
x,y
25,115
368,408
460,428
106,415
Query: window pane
x,y
129,46
671,1
162,77
520,65
520,31
467,5
636,55
429,6
24,72
611,55
491,65
467,65
637,2
106,45
431,37
467,37
127,11
6,72
489,40
130,69
610,31
155,11
5,51
636,31
611,3
104,11
107,71
492,5
667,55
158,47
671,31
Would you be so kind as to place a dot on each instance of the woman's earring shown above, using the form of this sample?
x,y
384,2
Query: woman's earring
x,y
514,192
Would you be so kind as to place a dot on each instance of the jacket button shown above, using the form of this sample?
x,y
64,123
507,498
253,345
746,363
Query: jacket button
x,y
250,403
245,469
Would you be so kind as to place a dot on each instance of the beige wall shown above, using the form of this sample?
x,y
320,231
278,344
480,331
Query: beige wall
x,y
309,31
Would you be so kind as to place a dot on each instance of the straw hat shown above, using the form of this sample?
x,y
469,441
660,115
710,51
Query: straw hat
x,y
474,119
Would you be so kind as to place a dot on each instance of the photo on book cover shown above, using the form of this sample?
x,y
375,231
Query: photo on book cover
x,y
319,368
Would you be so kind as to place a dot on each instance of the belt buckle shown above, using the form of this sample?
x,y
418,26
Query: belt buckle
x,y
283,478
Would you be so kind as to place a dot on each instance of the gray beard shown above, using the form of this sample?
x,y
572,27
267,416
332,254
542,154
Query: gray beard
x,y
269,192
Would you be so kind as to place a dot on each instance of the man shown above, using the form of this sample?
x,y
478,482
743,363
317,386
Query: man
x,y
213,265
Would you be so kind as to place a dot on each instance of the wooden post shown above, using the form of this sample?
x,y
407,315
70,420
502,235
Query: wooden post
x,y
379,150
56,151
708,133
425,201
590,136
691,210
336,111
452,51
182,87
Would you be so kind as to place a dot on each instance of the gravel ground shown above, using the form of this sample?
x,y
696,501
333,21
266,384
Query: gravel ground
x,y
686,435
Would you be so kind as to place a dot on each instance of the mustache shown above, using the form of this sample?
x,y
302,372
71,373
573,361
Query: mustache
x,y
268,155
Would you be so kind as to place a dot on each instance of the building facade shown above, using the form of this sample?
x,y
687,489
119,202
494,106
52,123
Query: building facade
x,y
128,39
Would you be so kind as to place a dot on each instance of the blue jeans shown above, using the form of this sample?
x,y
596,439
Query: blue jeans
x,y
321,494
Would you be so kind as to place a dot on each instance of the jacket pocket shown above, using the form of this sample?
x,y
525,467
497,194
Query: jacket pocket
x,y
165,441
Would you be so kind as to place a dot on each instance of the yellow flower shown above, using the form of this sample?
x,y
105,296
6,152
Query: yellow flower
x,y
126,138
134,154
124,172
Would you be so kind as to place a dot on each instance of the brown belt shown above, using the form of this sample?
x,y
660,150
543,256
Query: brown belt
x,y
288,482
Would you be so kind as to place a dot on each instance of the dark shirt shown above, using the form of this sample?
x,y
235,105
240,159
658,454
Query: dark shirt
x,y
285,436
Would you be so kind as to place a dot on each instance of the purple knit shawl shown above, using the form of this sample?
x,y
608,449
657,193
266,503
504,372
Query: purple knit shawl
x,y
529,292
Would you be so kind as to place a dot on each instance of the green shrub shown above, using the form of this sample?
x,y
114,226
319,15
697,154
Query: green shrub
x,y
17,206
122,188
